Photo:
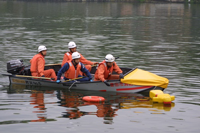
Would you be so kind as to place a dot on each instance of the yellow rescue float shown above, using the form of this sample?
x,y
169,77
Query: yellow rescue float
x,y
160,97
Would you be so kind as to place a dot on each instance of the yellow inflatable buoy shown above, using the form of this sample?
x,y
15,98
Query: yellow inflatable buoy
x,y
160,97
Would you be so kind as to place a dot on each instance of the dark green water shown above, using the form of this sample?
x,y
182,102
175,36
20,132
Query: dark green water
x,y
160,38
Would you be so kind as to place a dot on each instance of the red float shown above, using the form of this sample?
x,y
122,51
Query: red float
x,y
93,98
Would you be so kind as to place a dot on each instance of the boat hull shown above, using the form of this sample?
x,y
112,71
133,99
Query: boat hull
x,y
127,86
115,85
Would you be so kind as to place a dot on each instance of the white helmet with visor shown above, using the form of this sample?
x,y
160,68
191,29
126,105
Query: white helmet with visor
x,y
71,45
76,55
41,48
109,58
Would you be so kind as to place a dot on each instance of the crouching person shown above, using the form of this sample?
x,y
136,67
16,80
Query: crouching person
x,y
38,63
72,68
106,68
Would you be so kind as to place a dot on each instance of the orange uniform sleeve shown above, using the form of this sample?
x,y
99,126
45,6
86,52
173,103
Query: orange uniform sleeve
x,y
40,66
101,70
117,69
65,59
85,61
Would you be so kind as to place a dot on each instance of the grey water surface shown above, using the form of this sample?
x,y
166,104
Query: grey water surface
x,y
157,37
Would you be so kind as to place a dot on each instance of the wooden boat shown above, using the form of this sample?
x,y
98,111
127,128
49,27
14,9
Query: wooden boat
x,y
135,80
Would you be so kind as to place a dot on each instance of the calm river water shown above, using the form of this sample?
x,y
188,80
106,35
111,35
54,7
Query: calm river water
x,y
160,38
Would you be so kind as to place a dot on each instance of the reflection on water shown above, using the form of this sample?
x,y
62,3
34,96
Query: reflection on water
x,y
39,100
147,103
73,100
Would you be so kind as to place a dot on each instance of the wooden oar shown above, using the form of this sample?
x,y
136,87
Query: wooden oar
x,y
32,77
52,64
72,79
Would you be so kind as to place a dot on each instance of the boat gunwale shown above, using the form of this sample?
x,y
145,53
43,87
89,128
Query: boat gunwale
x,y
43,80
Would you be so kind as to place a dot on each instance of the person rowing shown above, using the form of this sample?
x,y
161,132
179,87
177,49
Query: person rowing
x,y
105,69
72,68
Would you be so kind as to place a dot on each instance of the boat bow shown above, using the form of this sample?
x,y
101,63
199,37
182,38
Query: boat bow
x,y
142,77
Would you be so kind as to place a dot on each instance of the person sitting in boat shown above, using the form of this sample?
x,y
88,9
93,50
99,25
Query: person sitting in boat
x,y
68,57
105,69
72,69
38,63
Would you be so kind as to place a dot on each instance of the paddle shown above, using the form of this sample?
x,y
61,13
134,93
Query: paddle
x,y
52,64
73,82
32,77
72,79
106,83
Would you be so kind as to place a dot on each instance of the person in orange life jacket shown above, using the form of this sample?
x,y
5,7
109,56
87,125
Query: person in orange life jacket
x,y
68,57
105,69
72,69
38,63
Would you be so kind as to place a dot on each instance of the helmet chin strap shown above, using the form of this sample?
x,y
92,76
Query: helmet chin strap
x,y
42,53
70,50
74,62
110,66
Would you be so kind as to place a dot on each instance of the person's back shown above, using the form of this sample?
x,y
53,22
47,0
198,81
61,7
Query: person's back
x,y
38,63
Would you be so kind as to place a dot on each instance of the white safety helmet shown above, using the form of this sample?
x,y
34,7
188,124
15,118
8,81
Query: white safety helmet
x,y
71,44
76,55
109,58
41,48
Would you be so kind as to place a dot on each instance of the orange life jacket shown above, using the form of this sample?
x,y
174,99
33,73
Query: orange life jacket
x,y
68,57
72,73
33,61
107,71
